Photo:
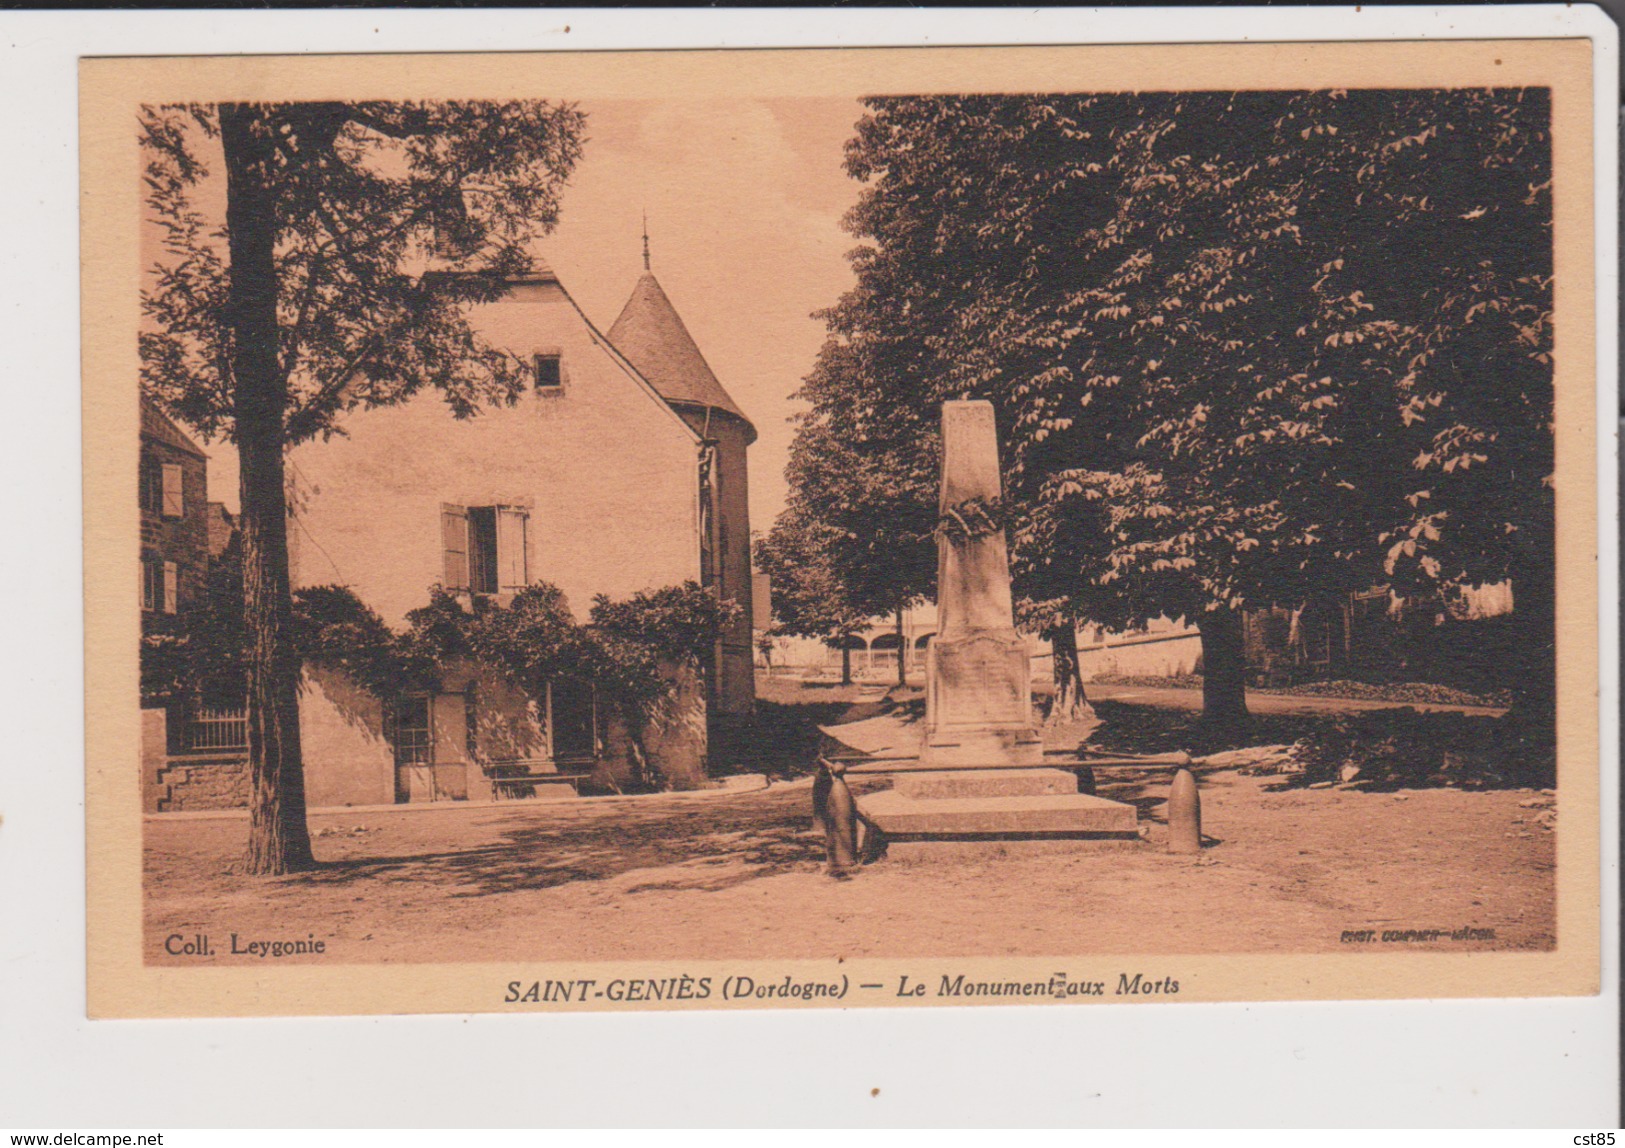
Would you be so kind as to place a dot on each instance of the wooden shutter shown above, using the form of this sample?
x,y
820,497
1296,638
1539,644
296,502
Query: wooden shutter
x,y
512,568
174,498
172,577
454,542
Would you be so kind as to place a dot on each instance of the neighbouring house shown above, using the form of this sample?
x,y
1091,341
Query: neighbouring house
x,y
598,481
186,743
174,517
610,477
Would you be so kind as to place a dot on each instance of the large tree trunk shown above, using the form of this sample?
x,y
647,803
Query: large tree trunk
x,y
1224,669
1071,703
278,839
846,659
902,651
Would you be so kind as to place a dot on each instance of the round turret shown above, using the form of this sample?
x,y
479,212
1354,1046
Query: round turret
x,y
653,338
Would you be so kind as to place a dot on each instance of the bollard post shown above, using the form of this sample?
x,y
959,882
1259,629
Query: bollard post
x,y
841,821
1184,814
871,843
820,796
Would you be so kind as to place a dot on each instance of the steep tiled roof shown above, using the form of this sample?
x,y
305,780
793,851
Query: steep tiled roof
x,y
652,336
155,425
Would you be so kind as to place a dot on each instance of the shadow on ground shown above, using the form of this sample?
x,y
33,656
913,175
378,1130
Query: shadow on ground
x,y
1382,750
782,739
1131,728
704,844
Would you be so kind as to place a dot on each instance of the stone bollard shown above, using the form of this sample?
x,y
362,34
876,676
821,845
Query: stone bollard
x,y
840,822
1184,815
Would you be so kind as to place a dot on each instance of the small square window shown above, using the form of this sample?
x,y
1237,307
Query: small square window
x,y
549,373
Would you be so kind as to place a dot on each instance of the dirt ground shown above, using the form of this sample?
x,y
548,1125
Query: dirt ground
x,y
739,875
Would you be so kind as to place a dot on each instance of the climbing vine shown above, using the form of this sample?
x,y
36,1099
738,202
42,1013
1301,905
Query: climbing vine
x,y
629,650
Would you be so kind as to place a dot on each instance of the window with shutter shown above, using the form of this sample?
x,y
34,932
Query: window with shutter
x,y
172,577
174,498
482,550
454,542
512,527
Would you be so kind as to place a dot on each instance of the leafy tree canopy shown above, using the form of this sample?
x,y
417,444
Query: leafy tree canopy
x,y
863,479
386,221
1245,347
810,598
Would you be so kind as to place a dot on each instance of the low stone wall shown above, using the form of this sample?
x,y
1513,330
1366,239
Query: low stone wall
x,y
154,756
204,783
1164,655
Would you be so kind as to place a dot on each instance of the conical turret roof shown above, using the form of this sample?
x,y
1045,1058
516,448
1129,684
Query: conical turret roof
x,y
653,338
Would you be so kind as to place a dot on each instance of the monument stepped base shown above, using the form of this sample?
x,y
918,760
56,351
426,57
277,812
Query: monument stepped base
x,y
1045,814
983,811
986,783
929,850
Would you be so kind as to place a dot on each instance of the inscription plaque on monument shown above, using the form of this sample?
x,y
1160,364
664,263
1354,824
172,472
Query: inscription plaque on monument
x,y
978,683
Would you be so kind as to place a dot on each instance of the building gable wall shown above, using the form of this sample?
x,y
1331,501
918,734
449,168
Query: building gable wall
x,y
607,471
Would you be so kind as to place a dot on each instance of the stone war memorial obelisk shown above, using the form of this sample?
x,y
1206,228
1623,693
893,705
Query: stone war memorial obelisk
x,y
980,775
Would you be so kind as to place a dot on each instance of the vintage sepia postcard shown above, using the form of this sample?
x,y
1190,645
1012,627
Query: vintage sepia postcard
x,y
847,527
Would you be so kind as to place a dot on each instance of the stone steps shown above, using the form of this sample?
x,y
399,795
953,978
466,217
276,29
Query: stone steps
x,y
960,850
986,783
899,816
